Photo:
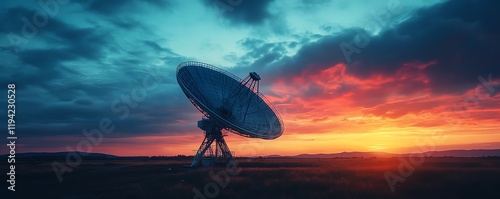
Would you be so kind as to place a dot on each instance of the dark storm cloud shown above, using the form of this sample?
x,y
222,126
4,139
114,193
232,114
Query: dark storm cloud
x,y
461,38
82,41
126,23
45,59
41,66
71,84
83,102
111,7
252,12
260,53
312,57
316,2
159,113
251,43
12,18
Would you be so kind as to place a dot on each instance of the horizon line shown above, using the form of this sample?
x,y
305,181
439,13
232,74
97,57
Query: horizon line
x,y
381,152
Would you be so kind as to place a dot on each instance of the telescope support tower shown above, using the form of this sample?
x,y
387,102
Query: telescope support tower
x,y
206,155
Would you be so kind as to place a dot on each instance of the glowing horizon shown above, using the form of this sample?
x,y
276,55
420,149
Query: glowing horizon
x,y
345,76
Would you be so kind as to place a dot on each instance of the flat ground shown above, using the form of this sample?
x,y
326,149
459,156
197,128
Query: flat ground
x,y
262,178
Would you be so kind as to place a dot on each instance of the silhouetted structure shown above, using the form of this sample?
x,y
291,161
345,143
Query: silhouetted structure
x,y
228,103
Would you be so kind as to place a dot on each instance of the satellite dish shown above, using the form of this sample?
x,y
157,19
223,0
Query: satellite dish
x,y
228,103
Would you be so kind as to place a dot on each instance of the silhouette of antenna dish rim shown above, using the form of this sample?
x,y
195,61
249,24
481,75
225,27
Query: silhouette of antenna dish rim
x,y
227,102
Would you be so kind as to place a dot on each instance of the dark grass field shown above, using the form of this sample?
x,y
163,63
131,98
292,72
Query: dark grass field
x,y
260,178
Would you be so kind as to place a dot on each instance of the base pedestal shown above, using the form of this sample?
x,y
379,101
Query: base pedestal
x,y
208,155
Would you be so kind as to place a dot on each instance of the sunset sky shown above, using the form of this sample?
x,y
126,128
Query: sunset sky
x,y
387,76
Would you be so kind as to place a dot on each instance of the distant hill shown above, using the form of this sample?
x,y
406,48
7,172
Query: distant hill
x,y
347,155
448,153
59,154
465,153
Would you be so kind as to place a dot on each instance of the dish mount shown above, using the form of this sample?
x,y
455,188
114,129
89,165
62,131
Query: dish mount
x,y
228,104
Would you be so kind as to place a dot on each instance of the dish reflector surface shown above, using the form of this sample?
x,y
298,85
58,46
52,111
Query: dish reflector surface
x,y
226,100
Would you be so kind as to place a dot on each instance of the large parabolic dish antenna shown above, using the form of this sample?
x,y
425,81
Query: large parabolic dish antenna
x,y
229,103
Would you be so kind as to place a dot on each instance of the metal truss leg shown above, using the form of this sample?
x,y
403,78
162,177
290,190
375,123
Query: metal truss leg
x,y
222,152
225,152
205,145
